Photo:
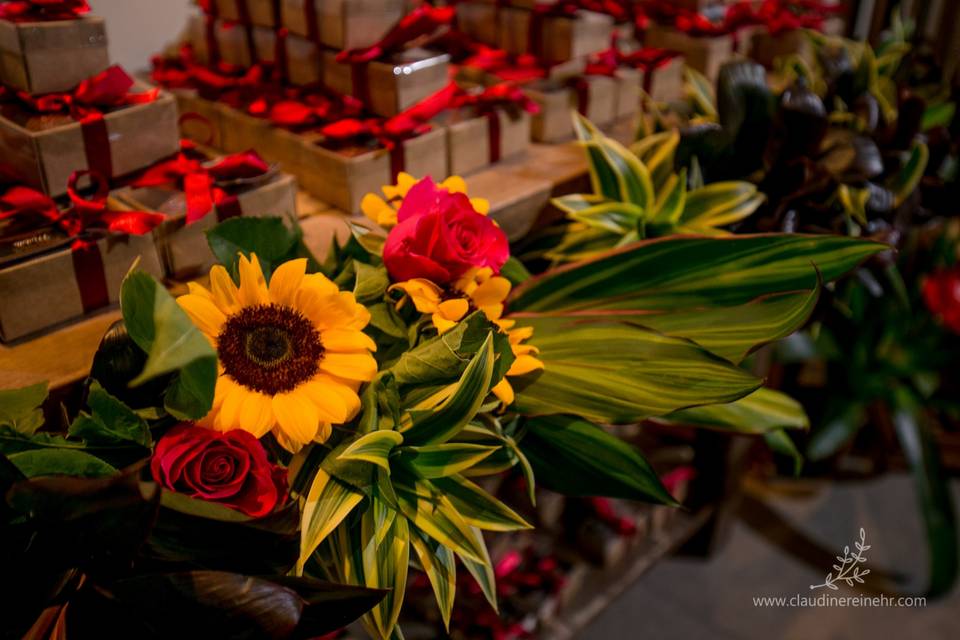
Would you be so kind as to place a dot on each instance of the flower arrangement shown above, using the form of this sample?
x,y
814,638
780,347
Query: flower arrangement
x,y
274,449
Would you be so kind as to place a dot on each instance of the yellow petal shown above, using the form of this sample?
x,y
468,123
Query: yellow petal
x,y
504,392
296,416
524,364
332,311
505,323
480,205
227,418
203,312
352,366
319,283
196,289
493,291
329,404
371,205
454,309
493,312
256,414
286,281
404,182
455,184
442,324
425,294
253,286
286,441
520,334
223,289
345,389
346,340
323,433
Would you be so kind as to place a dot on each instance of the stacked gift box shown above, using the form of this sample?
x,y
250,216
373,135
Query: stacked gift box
x,y
567,54
80,141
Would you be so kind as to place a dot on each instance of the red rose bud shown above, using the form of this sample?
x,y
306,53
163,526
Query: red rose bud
x,y
230,468
440,236
941,293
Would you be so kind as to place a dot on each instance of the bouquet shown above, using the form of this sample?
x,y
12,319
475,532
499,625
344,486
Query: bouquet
x,y
273,452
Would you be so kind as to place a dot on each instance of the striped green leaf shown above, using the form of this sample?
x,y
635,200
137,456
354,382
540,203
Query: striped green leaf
x,y
482,571
657,152
763,411
479,508
328,502
439,418
729,332
686,272
700,91
633,373
574,202
441,460
615,172
780,442
439,564
615,217
909,177
432,513
373,447
720,203
671,200
385,565
574,457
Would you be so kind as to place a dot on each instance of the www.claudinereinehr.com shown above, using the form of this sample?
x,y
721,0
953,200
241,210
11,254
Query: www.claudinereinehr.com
x,y
829,600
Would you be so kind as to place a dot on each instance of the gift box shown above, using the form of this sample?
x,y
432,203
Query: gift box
x,y
480,20
181,246
243,46
50,56
341,175
201,120
664,82
554,38
628,83
342,24
44,150
242,131
255,12
706,54
475,141
593,96
388,87
49,288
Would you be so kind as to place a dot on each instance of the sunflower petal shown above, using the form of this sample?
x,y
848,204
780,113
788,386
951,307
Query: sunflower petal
x,y
352,366
203,312
297,418
493,291
253,286
223,289
524,364
256,414
346,340
228,416
329,404
286,281
504,392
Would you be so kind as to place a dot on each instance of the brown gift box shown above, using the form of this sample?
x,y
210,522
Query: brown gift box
x,y
558,100
234,40
470,144
561,38
628,89
765,48
344,24
242,131
44,57
259,12
200,119
43,291
665,83
480,20
705,54
393,85
342,177
182,248
44,158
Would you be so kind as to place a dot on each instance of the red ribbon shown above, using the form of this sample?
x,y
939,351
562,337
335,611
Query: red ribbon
x,y
490,102
776,15
43,10
423,22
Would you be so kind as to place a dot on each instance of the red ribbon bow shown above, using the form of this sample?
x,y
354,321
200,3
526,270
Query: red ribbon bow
x,y
421,23
41,10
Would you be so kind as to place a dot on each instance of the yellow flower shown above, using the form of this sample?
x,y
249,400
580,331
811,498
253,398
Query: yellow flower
x,y
384,211
477,289
291,355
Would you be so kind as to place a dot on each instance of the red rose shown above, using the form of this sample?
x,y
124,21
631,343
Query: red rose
x,y
439,236
230,468
941,292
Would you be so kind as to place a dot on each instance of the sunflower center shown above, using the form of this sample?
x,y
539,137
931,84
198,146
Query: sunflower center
x,y
269,348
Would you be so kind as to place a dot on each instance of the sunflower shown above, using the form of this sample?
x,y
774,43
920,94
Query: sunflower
x,y
478,289
384,211
292,355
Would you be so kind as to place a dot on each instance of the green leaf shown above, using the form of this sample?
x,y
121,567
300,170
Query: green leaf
x,y
938,115
172,343
328,502
576,458
482,571
688,272
441,416
373,447
441,460
615,172
442,359
110,421
933,492
761,412
372,283
385,563
268,237
20,408
432,513
720,203
200,508
514,271
780,442
60,462
671,200
836,431
384,317
440,566
478,508
615,217
372,241
909,177
632,373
